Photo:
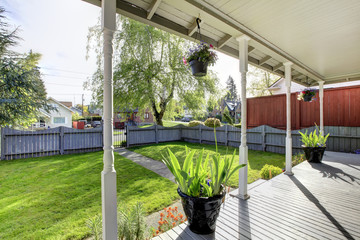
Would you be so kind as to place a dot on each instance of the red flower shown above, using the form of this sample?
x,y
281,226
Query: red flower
x,y
211,46
184,61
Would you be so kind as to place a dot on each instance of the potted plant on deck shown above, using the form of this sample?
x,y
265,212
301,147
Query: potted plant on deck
x,y
202,186
314,145
307,95
199,58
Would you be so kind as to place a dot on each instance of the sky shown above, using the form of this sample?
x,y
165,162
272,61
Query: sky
x,y
58,30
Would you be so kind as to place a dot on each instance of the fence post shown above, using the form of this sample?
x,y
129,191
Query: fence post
x,y
200,136
62,141
226,135
263,134
127,136
156,134
2,144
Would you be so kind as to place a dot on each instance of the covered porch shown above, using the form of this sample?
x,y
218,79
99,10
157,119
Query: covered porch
x,y
320,201
306,42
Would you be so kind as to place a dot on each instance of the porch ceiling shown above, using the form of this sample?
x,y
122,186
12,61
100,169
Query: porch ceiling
x,y
320,37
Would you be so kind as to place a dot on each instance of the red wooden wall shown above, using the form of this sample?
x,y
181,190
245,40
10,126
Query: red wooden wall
x,y
341,108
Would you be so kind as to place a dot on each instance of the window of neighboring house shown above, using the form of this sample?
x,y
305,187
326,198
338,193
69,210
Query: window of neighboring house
x,y
119,116
59,120
146,115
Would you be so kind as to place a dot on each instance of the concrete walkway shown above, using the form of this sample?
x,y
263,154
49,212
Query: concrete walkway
x,y
153,165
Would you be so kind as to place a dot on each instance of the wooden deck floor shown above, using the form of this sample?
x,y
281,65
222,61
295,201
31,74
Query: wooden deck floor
x,y
321,201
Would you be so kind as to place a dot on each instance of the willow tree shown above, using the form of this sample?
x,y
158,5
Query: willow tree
x,y
148,69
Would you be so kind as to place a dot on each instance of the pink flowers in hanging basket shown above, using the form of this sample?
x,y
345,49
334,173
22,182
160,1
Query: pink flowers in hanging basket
x,y
307,95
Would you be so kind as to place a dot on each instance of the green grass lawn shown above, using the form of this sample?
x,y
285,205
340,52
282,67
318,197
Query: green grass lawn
x,y
167,124
257,159
52,197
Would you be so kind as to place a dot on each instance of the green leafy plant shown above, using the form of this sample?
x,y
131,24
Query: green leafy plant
x,y
297,159
202,53
212,122
131,223
238,125
207,177
195,123
269,171
314,139
95,226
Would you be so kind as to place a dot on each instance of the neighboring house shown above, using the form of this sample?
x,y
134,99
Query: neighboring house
x,y
234,108
67,104
279,87
61,117
132,118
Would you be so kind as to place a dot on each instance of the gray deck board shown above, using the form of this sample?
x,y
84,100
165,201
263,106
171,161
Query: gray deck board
x,y
321,201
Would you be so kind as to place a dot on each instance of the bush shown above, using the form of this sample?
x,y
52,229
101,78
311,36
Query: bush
x,y
269,171
131,223
299,158
218,117
228,119
238,125
212,122
195,123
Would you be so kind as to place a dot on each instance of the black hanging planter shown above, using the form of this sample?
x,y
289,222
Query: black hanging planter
x,y
202,212
314,154
198,68
307,98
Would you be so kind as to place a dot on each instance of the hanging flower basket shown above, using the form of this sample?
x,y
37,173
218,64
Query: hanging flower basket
x,y
199,69
307,95
199,58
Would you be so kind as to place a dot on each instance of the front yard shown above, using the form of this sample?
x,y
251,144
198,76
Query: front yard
x,y
52,197
257,159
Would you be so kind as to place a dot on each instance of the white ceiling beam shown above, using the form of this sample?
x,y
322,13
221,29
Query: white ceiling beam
x,y
264,60
277,67
296,76
224,40
250,49
194,27
151,11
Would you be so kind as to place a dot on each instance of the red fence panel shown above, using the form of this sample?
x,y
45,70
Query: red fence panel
x,y
341,108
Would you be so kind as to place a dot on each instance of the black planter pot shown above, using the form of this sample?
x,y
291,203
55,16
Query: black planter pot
x,y
314,154
307,98
201,212
199,69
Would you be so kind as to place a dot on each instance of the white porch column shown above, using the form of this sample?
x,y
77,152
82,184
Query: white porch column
x,y
108,175
321,96
243,149
288,155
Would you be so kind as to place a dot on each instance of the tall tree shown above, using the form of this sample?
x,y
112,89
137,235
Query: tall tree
x,y
231,89
260,81
22,92
148,69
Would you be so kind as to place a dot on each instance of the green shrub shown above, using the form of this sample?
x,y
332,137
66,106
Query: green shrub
x,y
299,158
228,119
269,171
313,139
131,223
238,125
212,122
195,123
218,117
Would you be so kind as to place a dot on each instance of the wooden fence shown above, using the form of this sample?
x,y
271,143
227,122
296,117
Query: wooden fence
x,y
341,108
263,138
61,140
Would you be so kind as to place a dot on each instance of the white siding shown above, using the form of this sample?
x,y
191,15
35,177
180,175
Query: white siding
x,y
62,112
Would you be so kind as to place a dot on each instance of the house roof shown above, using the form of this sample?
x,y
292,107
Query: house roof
x,y
320,37
60,104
